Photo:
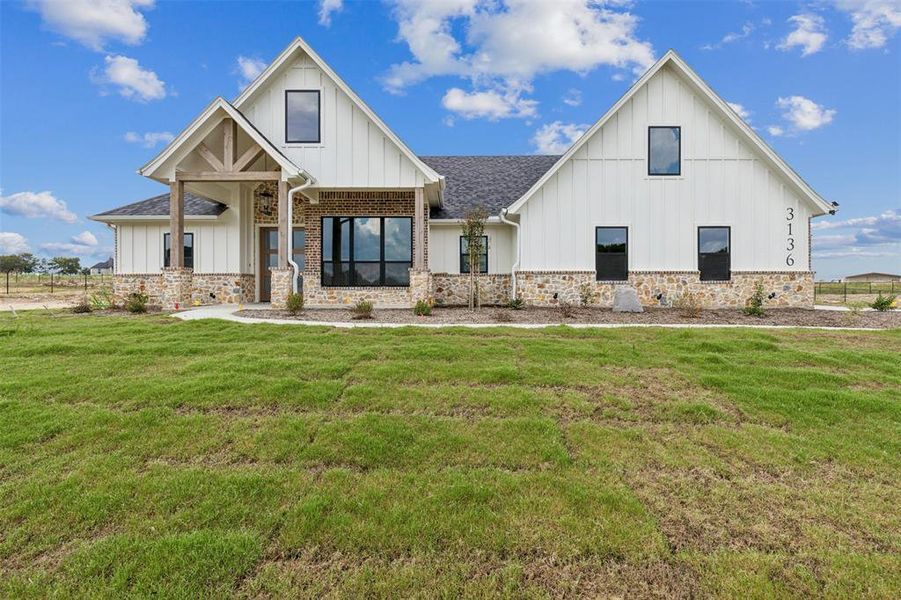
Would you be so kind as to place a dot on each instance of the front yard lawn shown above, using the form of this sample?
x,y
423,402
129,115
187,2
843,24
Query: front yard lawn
x,y
149,456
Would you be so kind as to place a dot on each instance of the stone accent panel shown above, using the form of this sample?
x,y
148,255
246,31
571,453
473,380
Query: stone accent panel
x,y
176,292
790,289
420,286
451,289
149,283
222,288
281,286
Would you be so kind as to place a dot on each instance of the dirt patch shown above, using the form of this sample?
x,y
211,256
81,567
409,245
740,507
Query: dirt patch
x,y
554,316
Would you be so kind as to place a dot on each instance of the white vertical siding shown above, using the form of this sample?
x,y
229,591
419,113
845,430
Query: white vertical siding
x,y
444,248
723,182
353,151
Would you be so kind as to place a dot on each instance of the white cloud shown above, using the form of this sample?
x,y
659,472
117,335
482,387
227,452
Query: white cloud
x,y
34,205
326,8
731,37
490,104
805,114
573,97
809,34
83,244
557,137
501,45
775,130
249,69
149,139
875,21
133,81
13,243
94,22
871,236
85,238
740,110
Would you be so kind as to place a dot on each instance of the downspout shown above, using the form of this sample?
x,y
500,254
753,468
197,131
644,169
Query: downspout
x,y
504,219
309,181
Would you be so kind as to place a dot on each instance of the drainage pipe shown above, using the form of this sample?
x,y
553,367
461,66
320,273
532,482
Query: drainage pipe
x,y
504,219
310,181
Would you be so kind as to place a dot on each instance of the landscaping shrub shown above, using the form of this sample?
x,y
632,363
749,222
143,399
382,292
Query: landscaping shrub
x,y
586,294
362,310
102,299
754,306
516,304
81,307
688,305
136,303
294,304
566,310
882,303
422,308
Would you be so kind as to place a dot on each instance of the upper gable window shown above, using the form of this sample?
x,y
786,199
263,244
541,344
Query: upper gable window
x,y
664,150
302,116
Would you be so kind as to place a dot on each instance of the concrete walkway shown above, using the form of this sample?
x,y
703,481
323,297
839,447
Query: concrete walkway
x,y
226,312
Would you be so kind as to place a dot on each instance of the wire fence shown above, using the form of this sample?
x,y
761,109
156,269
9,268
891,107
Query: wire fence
x,y
25,284
844,289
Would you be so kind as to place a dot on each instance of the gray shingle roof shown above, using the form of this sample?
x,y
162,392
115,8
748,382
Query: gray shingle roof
x,y
493,182
195,206
107,264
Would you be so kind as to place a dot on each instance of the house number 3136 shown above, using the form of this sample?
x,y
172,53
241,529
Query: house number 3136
x,y
790,240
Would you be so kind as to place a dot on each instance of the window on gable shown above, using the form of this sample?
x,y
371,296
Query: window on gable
x,y
664,150
611,256
464,255
302,120
714,253
189,249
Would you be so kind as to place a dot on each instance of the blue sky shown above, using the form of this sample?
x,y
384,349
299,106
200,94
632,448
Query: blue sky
x,y
92,89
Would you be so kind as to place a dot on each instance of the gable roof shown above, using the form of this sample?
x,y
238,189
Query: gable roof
x,y
158,206
107,264
206,117
300,45
671,57
492,182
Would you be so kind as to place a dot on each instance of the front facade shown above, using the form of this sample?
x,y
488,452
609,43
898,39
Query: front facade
x,y
669,192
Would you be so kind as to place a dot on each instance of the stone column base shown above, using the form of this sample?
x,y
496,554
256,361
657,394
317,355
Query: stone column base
x,y
420,286
281,287
176,289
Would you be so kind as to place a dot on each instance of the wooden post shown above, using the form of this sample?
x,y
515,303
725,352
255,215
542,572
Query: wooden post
x,y
177,223
419,229
284,227
230,141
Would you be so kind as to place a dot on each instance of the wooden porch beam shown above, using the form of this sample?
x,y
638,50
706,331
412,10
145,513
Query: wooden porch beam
x,y
217,176
207,154
283,225
177,224
230,142
248,158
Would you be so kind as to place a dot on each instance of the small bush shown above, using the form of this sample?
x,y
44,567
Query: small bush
x,y
362,310
586,294
102,299
516,304
688,305
81,307
422,308
294,303
136,303
754,306
882,303
566,310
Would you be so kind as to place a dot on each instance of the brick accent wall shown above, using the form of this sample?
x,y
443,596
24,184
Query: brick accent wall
x,y
451,289
265,205
660,288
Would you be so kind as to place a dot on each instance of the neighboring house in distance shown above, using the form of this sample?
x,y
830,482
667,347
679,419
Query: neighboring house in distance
x,y
103,268
669,191
873,277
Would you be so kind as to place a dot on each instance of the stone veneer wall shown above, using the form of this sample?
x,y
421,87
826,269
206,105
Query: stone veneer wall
x,y
149,283
195,288
222,288
451,289
792,289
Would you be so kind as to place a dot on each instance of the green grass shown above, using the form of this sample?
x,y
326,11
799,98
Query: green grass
x,y
145,456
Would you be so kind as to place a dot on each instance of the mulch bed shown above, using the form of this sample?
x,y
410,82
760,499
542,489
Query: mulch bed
x,y
556,316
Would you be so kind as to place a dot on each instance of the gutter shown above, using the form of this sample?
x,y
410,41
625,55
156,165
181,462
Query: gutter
x,y
310,180
504,219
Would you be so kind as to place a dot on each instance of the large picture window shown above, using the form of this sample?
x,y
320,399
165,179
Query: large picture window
x,y
611,253
189,249
664,150
464,255
714,253
302,109
367,251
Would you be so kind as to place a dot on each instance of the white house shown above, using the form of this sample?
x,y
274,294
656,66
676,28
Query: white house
x,y
670,191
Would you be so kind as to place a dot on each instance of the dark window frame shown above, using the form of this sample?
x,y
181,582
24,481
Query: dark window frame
x,y
679,173
728,229
166,253
464,256
597,272
318,139
351,262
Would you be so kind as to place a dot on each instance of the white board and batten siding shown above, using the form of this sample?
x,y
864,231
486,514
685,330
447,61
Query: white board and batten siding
x,y
723,183
444,247
353,151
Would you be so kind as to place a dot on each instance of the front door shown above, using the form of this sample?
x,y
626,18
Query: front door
x,y
269,256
